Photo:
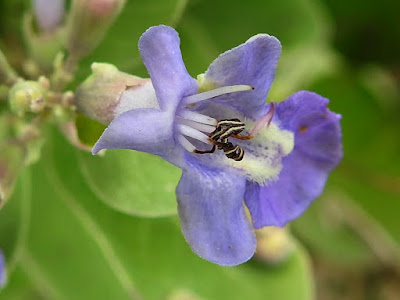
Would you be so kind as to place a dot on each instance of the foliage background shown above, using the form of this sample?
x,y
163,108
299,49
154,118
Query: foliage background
x,y
83,227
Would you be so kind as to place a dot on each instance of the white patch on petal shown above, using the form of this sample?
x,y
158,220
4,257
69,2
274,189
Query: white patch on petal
x,y
142,96
262,161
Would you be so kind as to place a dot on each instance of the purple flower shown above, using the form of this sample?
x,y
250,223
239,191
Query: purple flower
x,y
3,276
277,173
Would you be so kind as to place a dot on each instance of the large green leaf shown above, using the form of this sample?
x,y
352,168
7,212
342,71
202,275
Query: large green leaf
x,y
80,249
133,182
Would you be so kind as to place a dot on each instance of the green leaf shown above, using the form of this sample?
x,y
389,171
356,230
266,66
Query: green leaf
x,y
80,249
133,182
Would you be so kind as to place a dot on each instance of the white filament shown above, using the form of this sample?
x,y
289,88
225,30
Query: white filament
x,y
199,118
186,144
201,127
215,93
193,133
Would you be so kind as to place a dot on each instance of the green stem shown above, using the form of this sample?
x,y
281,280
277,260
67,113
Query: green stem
x,y
7,74
64,72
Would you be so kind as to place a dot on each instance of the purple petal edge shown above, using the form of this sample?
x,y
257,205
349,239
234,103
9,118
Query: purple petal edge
x,y
252,63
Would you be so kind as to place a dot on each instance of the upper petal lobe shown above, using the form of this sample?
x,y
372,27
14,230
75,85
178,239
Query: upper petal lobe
x,y
211,210
159,48
317,150
252,63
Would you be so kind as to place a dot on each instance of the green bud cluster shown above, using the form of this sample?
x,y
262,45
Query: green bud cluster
x,y
55,41
27,96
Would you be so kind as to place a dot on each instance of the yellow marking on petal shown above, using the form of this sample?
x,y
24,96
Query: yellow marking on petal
x,y
303,128
204,85
270,145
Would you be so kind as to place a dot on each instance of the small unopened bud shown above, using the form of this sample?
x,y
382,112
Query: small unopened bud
x,y
109,92
274,244
27,96
88,22
48,14
43,45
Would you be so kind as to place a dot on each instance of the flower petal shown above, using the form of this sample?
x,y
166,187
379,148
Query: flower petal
x,y
146,130
3,275
213,220
159,48
252,63
317,150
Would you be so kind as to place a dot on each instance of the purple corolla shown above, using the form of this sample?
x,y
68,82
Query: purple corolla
x,y
283,155
3,276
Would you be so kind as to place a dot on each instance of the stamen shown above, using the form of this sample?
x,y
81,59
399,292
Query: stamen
x,y
186,144
215,93
195,125
193,133
264,121
199,118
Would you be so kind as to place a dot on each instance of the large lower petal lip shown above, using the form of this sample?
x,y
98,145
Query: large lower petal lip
x,y
211,210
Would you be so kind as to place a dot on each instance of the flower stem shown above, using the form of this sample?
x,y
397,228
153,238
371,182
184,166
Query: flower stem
x,y
7,74
64,72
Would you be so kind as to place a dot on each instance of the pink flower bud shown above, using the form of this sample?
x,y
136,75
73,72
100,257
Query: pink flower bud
x,y
48,14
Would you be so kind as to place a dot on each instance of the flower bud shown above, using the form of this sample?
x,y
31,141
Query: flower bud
x,y
88,22
43,45
27,96
48,14
109,92
274,244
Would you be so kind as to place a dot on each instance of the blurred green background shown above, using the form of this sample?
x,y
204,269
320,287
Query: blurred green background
x,y
83,227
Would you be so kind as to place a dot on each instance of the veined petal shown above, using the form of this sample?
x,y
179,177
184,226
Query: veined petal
x,y
211,210
146,130
252,63
159,48
318,149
